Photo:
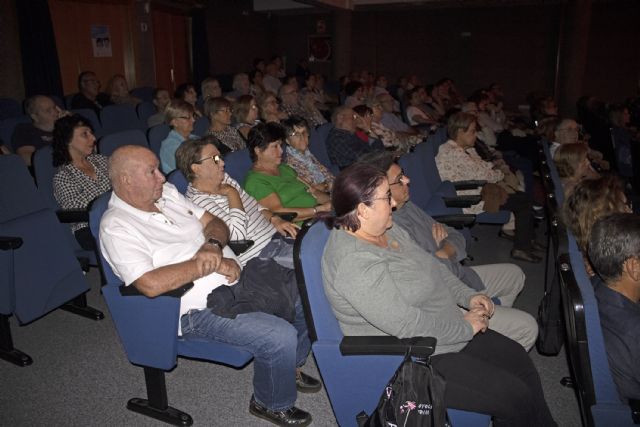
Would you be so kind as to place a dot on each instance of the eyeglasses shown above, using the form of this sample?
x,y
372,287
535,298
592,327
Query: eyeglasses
x,y
191,117
226,110
299,133
216,159
399,180
388,198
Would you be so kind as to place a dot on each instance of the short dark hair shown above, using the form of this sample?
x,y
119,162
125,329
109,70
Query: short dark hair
x,y
81,76
62,136
289,125
354,185
263,134
190,151
614,239
182,89
213,105
382,160
352,87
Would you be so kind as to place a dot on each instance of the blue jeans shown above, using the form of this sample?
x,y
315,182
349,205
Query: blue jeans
x,y
278,347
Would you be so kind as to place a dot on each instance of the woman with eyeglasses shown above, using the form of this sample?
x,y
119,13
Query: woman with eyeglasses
x,y
180,116
380,282
212,188
218,110
269,108
276,186
306,165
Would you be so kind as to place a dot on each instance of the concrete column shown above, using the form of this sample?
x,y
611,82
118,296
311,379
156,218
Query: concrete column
x,y
573,45
341,42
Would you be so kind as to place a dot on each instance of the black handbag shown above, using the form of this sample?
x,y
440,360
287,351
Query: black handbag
x,y
414,397
550,321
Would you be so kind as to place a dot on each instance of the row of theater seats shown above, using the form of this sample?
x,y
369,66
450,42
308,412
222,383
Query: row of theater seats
x,y
38,267
354,369
590,371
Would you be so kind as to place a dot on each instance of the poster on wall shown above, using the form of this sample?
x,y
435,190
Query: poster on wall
x,y
319,48
101,41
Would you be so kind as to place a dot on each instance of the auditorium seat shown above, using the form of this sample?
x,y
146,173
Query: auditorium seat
x,y
237,164
116,118
109,143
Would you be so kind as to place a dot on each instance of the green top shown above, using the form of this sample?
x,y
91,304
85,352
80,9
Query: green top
x,y
292,192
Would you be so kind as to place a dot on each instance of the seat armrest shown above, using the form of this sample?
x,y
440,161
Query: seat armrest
x,y
68,216
469,184
127,291
456,220
287,216
462,201
240,246
635,410
371,345
9,243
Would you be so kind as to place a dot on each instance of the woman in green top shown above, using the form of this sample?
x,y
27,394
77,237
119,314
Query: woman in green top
x,y
275,185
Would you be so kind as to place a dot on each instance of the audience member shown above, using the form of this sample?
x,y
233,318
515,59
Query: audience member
x,y
502,282
390,139
187,92
210,88
257,88
136,248
161,99
118,91
271,80
211,188
180,116
355,94
292,105
89,95
415,115
457,160
28,137
614,250
81,175
269,109
573,165
241,86
343,146
390,119
300,159
623,136
245,113
218,110
379,282
275,185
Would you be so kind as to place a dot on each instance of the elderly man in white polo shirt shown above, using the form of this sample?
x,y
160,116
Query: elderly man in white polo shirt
x,y
156,240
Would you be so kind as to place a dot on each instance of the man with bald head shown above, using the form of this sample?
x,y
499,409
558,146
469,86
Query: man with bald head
x,y
28,137
343,145
157,240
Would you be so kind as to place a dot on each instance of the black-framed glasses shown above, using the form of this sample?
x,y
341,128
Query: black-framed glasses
x,y
299,133
216,159
399,179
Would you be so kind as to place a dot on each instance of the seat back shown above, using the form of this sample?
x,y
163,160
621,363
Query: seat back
x,y
117,118
318,146
45,268
237,164
201,126
148,327
597,394
177,178
90,115
145,110
9,108
353,383
557,185
7,127
155,136
439,137
144,92
109,143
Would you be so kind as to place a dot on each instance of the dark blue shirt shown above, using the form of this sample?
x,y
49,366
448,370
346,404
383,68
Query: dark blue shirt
x,y
344,147
620,320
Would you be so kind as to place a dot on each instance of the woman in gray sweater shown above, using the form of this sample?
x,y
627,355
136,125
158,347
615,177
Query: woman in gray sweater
x,y
379,282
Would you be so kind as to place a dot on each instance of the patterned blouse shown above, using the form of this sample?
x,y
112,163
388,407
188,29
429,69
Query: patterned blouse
x,y
312,115
75,190
457,164
230,137
308,168
391,139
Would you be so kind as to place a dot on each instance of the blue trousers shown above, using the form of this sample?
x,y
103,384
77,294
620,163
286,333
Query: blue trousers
x,y
278,347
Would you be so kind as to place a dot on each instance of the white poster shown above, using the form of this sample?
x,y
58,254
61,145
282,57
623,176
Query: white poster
x,y
101,40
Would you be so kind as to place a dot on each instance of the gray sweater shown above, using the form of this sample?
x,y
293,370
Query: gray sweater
x,y
401,290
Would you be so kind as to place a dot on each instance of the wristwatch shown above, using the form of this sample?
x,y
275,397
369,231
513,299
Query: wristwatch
x,y
215,242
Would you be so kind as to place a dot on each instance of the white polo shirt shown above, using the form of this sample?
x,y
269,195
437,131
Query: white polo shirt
x,y
135,242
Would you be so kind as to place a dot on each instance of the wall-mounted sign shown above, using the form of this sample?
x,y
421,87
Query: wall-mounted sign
x,y
101,41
